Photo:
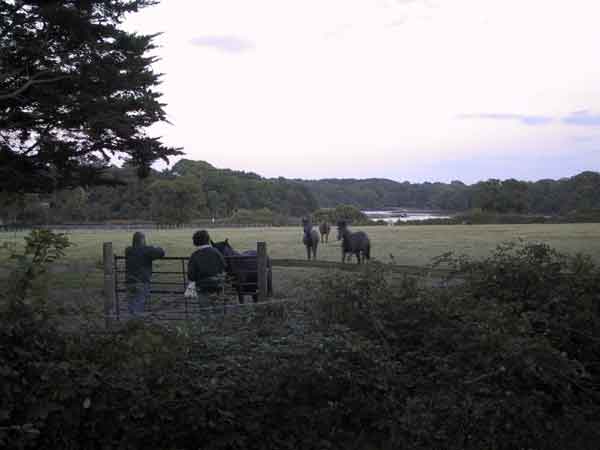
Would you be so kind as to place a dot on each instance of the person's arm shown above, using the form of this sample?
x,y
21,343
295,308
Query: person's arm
x,y
156,252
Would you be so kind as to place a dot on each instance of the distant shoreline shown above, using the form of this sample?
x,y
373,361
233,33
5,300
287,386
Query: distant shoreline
x,y
405,214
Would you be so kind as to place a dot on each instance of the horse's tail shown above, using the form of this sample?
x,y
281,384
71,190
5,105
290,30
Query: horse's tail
x,y
368,250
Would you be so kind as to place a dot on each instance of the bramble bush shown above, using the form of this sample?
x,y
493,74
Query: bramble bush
x,y
42,248
504,358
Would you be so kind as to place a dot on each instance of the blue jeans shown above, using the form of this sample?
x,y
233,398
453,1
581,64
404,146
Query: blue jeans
x,y
137,294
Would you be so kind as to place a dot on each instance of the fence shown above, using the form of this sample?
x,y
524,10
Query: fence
x,y
12,228
171,280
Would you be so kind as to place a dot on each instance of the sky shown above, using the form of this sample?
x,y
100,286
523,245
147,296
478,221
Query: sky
x,y
410,90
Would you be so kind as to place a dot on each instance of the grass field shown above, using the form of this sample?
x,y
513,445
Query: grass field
x,y
412,245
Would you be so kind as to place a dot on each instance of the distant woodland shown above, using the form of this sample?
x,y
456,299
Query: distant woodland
x,y
192,190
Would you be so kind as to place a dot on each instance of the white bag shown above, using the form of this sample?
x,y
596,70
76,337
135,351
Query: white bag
x,y
190,291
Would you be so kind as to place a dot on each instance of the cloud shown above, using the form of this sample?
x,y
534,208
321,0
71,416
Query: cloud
x,y
524,119
337,32
584,139
582,118
396,23
427,3
227,44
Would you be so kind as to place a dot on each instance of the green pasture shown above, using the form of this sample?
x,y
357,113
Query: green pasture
x,y
411,244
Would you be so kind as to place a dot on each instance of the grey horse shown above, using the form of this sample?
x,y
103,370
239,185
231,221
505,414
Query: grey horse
x,y
310,238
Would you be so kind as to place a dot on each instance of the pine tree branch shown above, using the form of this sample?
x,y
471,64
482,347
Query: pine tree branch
x,y
34,80
8,75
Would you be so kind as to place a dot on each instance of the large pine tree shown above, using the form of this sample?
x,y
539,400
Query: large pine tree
x,y
75,90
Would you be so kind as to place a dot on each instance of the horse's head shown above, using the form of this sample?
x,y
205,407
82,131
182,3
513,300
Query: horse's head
x,y
224,247
342,226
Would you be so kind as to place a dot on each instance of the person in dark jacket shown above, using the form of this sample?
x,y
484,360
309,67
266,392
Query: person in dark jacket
x,y
206,266
138,271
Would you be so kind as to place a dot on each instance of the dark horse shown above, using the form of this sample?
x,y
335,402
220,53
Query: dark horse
x,y
243,270
354,243
324,229
310,238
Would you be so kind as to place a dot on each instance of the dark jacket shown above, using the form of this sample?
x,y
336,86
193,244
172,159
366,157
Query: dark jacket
x,y
205,263
138,263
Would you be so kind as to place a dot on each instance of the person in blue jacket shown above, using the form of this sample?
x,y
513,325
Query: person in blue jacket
x,y
138,271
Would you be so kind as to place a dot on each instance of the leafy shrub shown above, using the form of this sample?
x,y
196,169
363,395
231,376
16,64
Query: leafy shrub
x,y
507,357
504,357
583,215
42,248
556,293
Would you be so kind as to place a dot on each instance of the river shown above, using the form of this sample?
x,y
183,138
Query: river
x,y
404,215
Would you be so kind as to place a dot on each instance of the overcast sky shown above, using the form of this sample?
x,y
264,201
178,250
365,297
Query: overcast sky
x,y
417,90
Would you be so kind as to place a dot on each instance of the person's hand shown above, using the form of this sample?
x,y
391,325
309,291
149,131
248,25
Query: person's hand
x,y
190,291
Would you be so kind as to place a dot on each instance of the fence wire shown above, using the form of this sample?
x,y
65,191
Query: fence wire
x,y
167,287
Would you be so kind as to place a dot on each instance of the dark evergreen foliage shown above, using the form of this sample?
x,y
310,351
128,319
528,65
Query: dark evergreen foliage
x,y
75,90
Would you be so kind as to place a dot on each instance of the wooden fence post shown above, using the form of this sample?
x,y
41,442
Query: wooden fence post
x,y
109,280
261,266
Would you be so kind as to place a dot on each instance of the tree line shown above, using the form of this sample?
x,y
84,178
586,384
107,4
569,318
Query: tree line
x,y
553,197
189,190
192,190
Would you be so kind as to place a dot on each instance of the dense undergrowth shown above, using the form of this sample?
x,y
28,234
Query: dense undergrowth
x,y
508,357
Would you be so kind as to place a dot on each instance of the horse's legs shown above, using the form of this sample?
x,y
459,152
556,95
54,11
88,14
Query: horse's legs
x,y
270,284
308,252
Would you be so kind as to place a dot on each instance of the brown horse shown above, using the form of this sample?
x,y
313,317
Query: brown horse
x,y
324,229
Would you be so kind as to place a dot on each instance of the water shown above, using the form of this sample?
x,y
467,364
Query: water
x,y
391,216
